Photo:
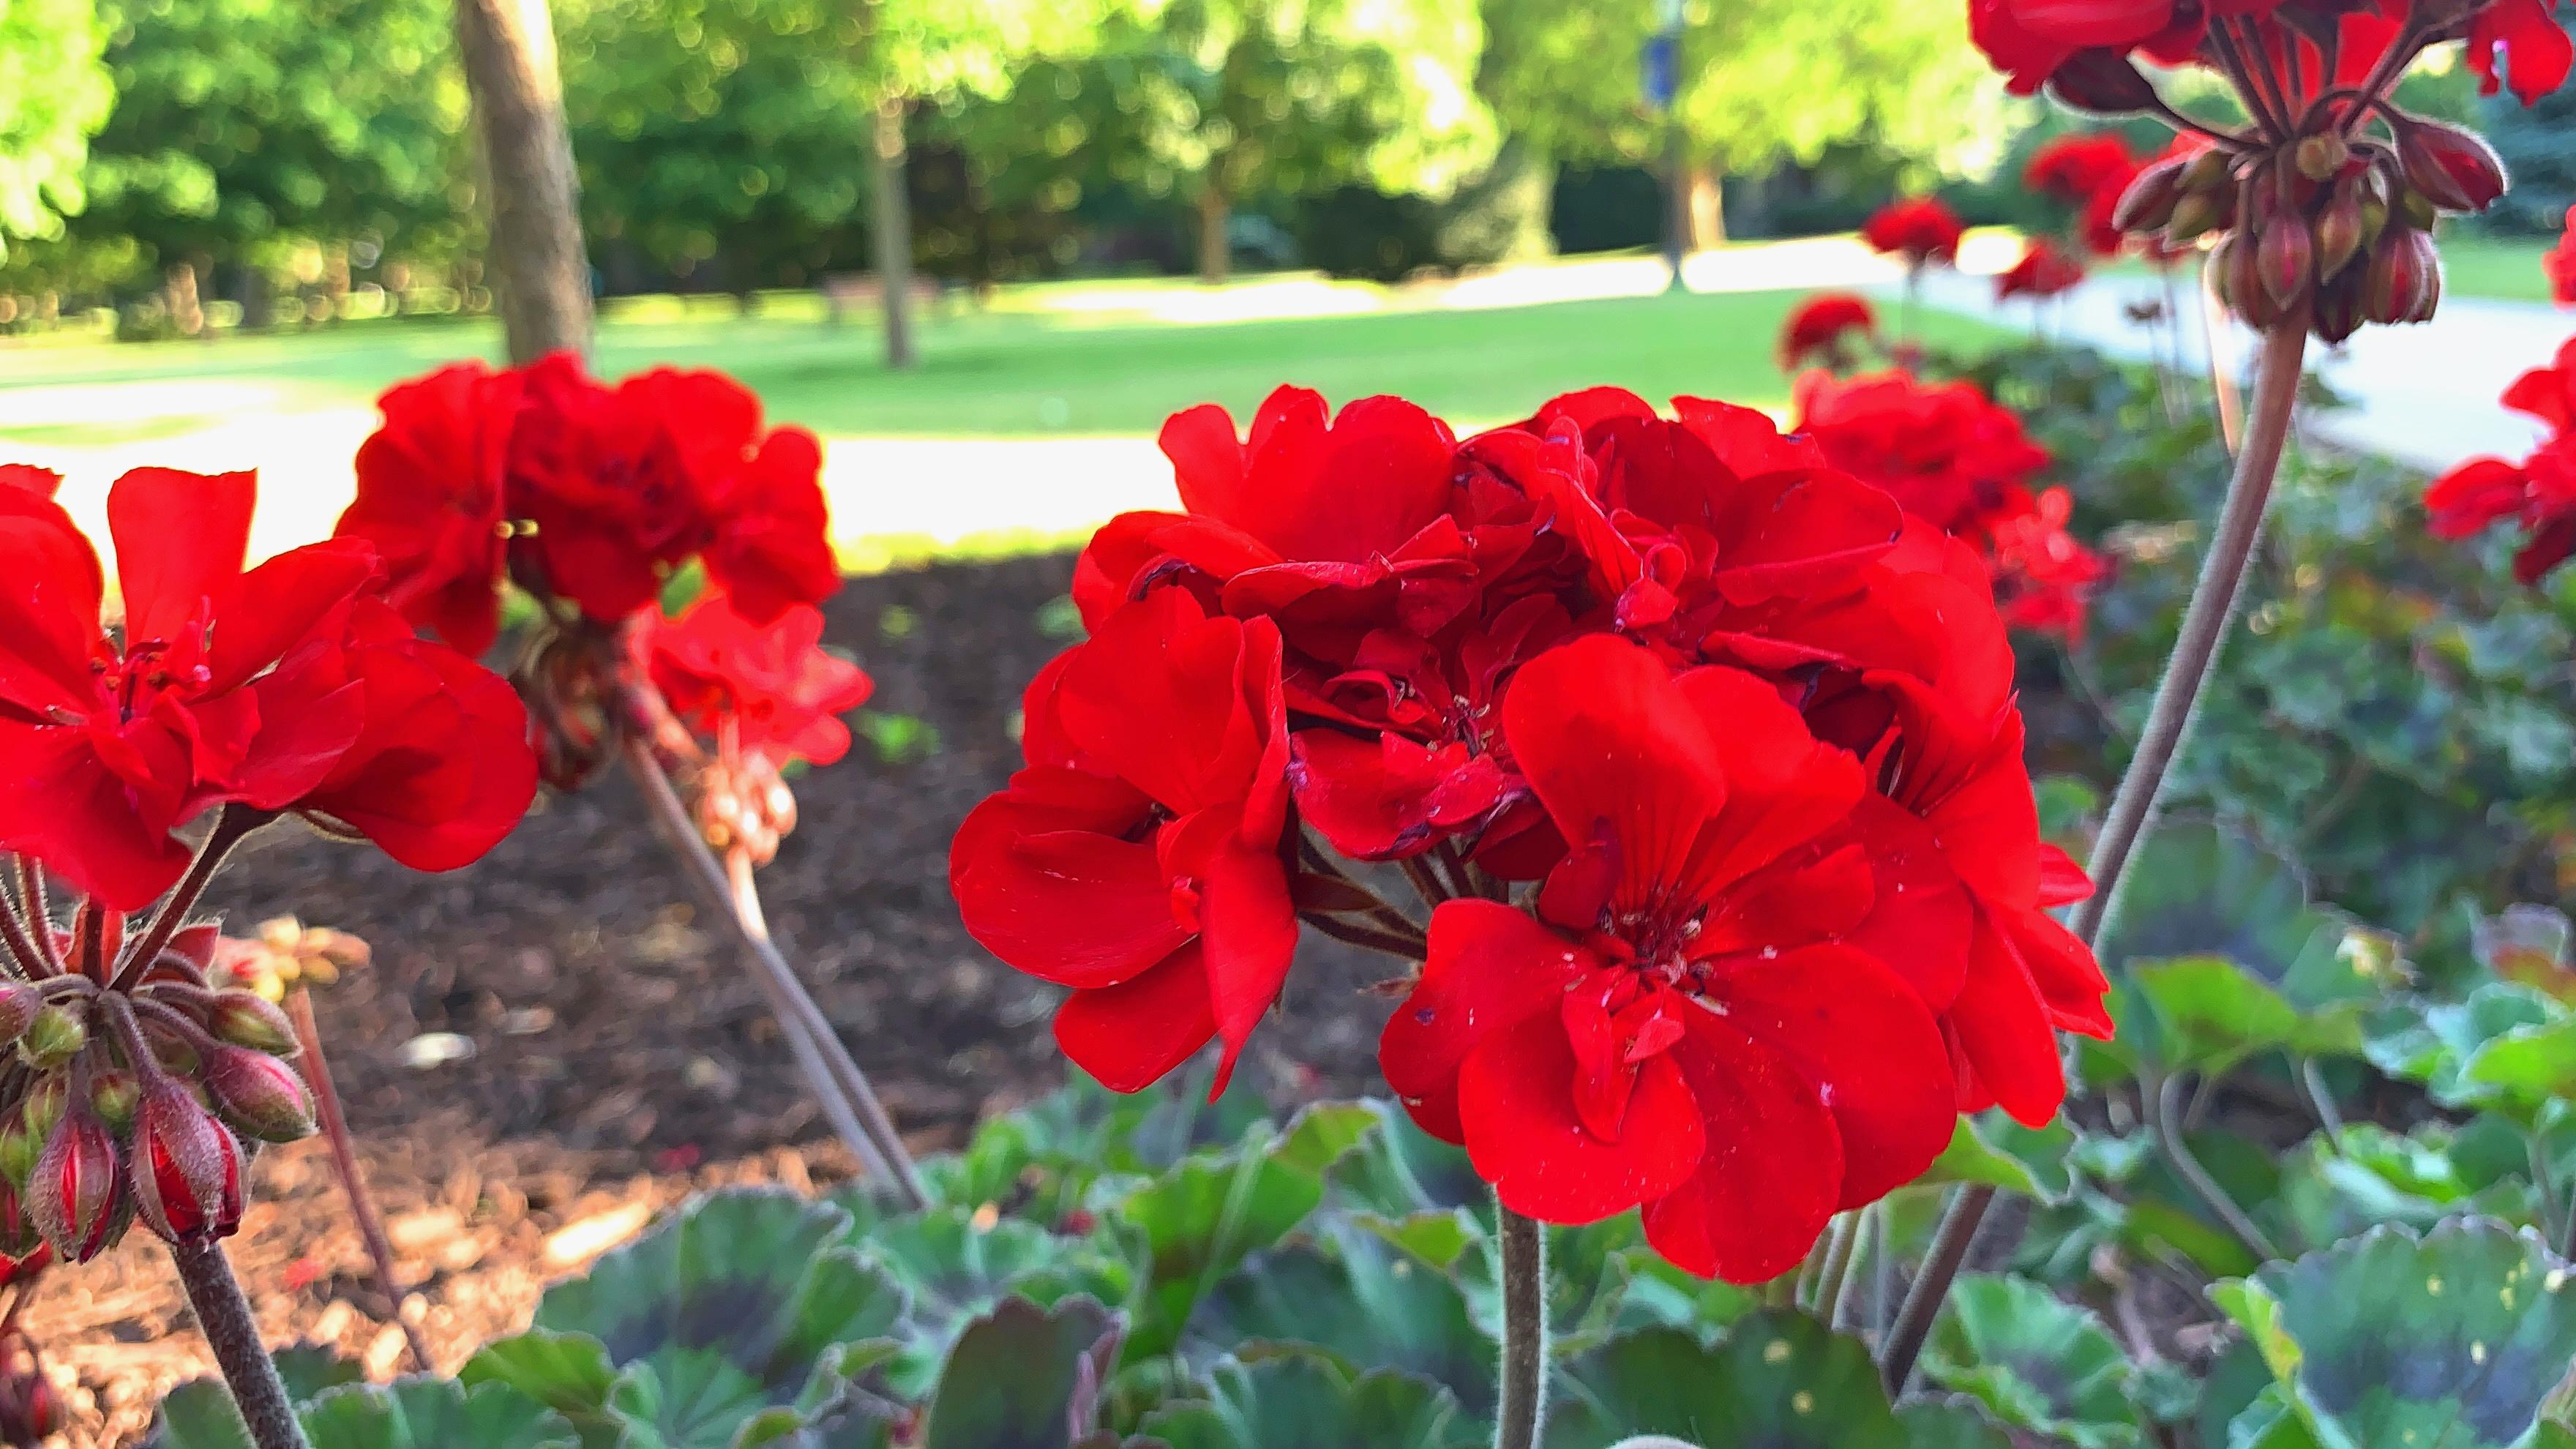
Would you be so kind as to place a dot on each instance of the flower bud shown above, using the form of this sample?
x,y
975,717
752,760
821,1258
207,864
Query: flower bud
x,y
54,1036
2322,156
2246,291
2286,256
2416,209
187,1169
2428,268
2103,82
2339,228
46,1098
19,1003
2338,309
2149,201
2454,169
30,1411
113,1094
18,1149
2197,213
74,1195
259,1094
246,1018
2211,170
2403,268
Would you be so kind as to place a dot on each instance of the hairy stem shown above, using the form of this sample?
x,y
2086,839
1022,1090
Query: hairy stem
x,y
1834,1271
2204,627
344,1160
1869,1245
2165,1102
40,916
223,1314
231,826
839,1086
17,944
1523,1407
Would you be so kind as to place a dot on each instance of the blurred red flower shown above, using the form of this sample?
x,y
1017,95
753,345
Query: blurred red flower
x,y
2075,167
1921,229
2560,263
2045,270
773,686
2539,493
1823,328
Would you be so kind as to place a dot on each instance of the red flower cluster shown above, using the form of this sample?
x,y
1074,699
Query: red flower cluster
x,y
2075,167
1960,462
2045,270
1921,229
774,687
585,494
281,688
2560,263
1826,329
1715,751
2539,492
2085,45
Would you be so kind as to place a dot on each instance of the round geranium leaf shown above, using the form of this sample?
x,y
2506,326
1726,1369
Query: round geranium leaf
x,y
1307,1401
1777,1380
2037,1362
1021,1374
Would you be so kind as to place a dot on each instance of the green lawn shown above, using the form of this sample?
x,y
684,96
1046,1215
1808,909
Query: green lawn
x,y
1010,369
2506,269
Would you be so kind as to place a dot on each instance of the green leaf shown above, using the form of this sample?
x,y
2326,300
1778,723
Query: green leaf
x,y
1022,1377
569,1372
199,1414
1200,1219
429,1413
2194,889
1995,1150
1778,1380
1304,1401
2211,1014
2529,1065
2435,1045
2039,1363
2452,1339
1954,1423
307,1369
955,1266
1359,1300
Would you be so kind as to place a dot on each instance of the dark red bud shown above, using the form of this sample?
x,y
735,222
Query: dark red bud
x,y
2245,290
2338,309
74,1194
2428,271
259,1094
2150,200
2454,169
246,1018
2104,82
187,1169
2286,256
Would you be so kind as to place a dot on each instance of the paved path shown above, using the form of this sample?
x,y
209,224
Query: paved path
x,y
2425,394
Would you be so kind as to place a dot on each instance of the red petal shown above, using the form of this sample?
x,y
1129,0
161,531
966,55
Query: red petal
x,y
180,541
1516,1100
1772,1170
1134,1034
1044,881
1490,969
1248,927
2003,1028
282,603
1921,914
49,605
1783,786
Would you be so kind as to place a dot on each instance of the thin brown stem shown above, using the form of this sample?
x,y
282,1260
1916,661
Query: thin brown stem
x,y
231,826
2400,54
224,1316
2312,1079
1834,1271
839,1086
1380,911
19,946
1411,947
344,1160
2204,628
1425,883
40,916
1522,1265
2165,1103
2232,60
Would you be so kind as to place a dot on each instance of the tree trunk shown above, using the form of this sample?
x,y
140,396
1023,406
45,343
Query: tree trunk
x,y
1707,208
1216,252
893,233
540,276
179,294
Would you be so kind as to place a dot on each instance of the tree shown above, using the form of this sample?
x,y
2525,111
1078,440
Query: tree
x,y
240,124
1301,95
1762,81
536,250
54,93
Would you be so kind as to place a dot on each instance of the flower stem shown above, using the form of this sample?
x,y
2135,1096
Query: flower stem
x,y
2164,1102
231,827
1833,1270
17,944
1523,1406
40,919
344,1158
2195,655
839,1086
223,1315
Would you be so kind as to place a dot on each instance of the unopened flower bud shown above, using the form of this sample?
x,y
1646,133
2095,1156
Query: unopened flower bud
x,y
2198,213
2416,209
18,1149
2287,256
2321,157
187,1169
2103,82
19,1003
2339,231
47,1096
21,1246
54,1036
113,1094
74,1194
2245,288
2454,169
31,1412
246,1018
2149,201
2403,269
2337,313
2211,170
259,1094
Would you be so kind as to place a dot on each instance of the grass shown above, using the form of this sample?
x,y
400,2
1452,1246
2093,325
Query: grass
x,y
1012,369
2500,268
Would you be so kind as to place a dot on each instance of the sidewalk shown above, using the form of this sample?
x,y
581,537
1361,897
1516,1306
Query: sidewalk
x,y
2424,394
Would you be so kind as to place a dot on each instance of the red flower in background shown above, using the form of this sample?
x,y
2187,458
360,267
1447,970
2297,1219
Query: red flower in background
x,y
2560,263
2076,167
1921,229
261,687
2045,270
2045,576
2539,492
431,490
28,478
772,685
1949,454
1824,327
1673,1031
1138,859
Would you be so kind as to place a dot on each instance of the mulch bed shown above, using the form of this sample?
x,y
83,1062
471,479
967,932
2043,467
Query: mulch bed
x,y
619,1059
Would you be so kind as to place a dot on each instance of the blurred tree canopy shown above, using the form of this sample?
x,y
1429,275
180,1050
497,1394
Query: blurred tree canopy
x,y
54,93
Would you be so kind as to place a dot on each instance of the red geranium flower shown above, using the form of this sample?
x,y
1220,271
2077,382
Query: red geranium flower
x,y
224,685
431,499
1675,1030
2539,492
1822,327
1921,229
1138,859
2073,168
2045,270
1948,453
2043,574
2560,263
773,685
28,478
